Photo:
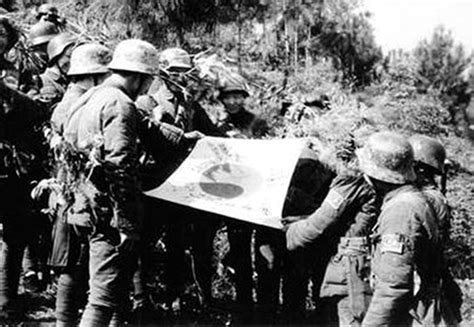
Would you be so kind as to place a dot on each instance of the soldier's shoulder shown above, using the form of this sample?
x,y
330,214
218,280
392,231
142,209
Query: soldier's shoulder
x,y
406,208
351,184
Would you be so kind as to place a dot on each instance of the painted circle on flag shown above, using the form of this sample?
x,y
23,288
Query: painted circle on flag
x,y
230,180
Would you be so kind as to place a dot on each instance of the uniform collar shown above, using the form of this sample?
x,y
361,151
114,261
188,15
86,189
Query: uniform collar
x,y
112,83
402,189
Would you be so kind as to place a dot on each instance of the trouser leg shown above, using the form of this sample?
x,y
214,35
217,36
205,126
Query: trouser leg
x,y
203,250
240,259
13,246
71,293
295,286
96,316
10,269
175,260
268,263
111,273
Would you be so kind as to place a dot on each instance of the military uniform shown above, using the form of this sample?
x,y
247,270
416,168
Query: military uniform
x,y
51,92
20,148
54,85
243,124
69,251
347,214
105,124
60,113
440,205
186,226
406,242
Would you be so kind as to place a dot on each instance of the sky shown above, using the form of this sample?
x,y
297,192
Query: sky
x,y
403,23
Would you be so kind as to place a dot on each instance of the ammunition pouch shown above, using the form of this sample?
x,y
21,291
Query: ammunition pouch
x,y
348,274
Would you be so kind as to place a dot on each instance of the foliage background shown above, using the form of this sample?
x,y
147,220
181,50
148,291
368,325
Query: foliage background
x,y
315,71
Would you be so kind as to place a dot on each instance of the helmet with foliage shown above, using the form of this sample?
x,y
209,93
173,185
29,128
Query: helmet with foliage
x,y
59,44
388,157
175,59
233,83
428,151
42,32
136,56
47,9
91,58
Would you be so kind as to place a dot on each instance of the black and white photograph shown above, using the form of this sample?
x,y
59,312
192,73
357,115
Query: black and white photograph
x,y
236,163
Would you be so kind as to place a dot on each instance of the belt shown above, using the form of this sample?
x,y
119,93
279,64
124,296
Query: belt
x,y
353,245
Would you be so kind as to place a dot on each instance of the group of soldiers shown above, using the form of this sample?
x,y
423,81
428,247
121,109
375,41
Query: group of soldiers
x,y
82,136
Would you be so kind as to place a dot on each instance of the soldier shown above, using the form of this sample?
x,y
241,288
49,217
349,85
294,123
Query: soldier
x,y
69,249
237,122
54,83
104,126
54,79
347,214
88,69
38,37
20,146
430,159
176,106
406,238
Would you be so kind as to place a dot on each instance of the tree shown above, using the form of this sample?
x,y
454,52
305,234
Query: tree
x,y
345,34
441,63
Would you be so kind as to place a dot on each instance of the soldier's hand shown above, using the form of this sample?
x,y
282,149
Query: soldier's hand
x,y
291,219
128,241
194,135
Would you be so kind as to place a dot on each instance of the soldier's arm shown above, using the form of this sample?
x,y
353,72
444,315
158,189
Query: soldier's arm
x,y
204,123
393,267
120,136
343,194
31,112
157,137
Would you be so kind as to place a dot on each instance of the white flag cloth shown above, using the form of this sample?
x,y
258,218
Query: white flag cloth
x,y
239,178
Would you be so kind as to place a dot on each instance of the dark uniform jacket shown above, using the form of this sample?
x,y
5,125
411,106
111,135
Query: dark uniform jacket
x,y
21,143
406,243
243,124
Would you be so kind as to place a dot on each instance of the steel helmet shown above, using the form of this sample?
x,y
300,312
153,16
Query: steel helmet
x,y
47,9
428,151
175,58
42,32
388,157
91,58
135,56
58,45
233,83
